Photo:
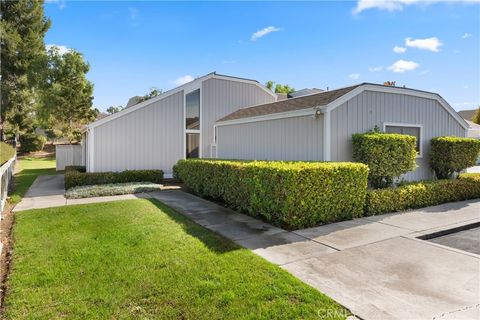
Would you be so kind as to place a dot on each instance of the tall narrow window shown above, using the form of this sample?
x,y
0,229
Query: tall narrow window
x,y
192,144
192,110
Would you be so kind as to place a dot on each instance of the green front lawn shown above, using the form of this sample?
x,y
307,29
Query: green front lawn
x,y
28,169
141,259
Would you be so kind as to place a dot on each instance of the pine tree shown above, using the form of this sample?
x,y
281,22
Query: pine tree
x,y
23,27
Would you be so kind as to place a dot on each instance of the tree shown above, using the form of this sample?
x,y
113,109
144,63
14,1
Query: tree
x,y
476,116
23,27
112,109
278,87
67,94
154,91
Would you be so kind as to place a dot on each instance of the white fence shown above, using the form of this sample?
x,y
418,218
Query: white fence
x,y
69,155
6,173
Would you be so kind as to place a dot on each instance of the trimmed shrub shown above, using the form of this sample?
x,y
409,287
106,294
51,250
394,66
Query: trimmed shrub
x,y
452,154
288,194
111,189
387,155
421,194
74,177
473,177
31,142
6,152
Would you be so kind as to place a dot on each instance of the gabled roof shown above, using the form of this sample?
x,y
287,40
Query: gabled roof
x,y
325,102
173,91
292,104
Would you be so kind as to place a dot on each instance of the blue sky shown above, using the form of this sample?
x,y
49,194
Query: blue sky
x,y
132,46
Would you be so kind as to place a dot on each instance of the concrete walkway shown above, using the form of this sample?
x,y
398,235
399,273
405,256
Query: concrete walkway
x,y
374,266
48,191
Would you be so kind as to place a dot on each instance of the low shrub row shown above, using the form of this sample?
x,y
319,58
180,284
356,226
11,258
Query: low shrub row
x,y
422,194
76,176
288,194
111,189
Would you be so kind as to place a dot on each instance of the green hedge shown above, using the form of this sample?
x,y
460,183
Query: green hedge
x,y
31,142
421,194
289,194
6,152
452,154
387,155
473,177
75,177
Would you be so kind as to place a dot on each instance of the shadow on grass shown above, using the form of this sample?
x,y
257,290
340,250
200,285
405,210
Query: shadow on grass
x,y
210,239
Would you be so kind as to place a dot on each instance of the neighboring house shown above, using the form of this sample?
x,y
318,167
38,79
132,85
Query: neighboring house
x,y
178,124
467,114
320,126
473,130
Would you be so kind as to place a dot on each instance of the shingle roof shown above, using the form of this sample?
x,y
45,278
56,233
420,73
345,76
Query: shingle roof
x,y
303,102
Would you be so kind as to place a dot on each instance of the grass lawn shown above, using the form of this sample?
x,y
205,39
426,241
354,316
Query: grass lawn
x,y
141,259
28,170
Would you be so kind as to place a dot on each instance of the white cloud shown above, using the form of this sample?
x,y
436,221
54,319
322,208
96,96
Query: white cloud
x,y
466,35
61,49
398,49
263,32
354,76
466,103
133,13
61,3
375,69
182,80
403,65
398,5
431,44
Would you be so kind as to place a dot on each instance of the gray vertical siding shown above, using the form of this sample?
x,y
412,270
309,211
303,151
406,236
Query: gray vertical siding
x,y
299,138
361,113
222,97
148,138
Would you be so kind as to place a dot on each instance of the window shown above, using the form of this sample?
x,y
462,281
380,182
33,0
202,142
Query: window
x,y
192,143
412,130
192,110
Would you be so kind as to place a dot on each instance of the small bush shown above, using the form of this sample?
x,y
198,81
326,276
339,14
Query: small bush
x,y
31,142
111,189
6,152
288,194
387,155
421,194
452,154
74,177
473,177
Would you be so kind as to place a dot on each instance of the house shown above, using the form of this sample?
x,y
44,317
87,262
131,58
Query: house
x,y
219,116
474,129
319,126
178,124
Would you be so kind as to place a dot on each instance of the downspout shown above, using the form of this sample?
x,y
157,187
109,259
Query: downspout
x,y
327,133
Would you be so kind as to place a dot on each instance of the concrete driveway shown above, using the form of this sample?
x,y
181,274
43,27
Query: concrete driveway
x,y
383,271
